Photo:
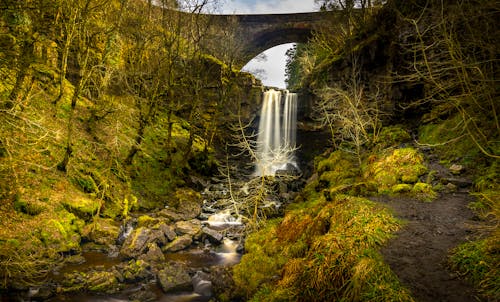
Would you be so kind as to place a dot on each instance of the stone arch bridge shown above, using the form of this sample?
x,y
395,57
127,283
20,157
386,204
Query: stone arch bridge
x,y
256,33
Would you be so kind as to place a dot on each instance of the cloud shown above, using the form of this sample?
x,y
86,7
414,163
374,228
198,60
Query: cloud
x,y
273,67
267,7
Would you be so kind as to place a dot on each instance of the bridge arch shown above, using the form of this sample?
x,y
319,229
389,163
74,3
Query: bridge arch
x,y
270,39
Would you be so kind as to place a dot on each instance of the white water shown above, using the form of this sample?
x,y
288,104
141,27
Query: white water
x,y
222,219
276,140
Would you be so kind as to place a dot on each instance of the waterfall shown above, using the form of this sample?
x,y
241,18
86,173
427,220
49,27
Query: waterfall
x,y
276,138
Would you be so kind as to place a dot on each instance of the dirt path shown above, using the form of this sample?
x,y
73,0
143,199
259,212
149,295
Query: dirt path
x,y
418,253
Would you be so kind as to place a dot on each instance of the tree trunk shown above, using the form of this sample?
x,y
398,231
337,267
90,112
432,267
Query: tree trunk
x,y
25,62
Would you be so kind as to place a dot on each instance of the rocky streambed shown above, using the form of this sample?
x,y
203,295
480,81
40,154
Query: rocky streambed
x,y
179,253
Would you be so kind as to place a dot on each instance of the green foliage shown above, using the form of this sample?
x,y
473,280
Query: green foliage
x,y
449,140
478,261
321,251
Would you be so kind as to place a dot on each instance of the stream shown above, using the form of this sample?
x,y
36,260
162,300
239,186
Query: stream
x,y
196,260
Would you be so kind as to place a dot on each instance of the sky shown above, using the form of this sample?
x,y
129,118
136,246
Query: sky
x,y
272,70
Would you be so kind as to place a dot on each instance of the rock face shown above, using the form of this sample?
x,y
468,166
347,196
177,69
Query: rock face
x,y
174,278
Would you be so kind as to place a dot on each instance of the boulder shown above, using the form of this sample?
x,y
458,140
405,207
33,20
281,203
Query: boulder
x,y
191,227
101,231
103,282
135,270
179,243
185,205
168,231
170,214
174,278
136,244
154,254
212,235
202,284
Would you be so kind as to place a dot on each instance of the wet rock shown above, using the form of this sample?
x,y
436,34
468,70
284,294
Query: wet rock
x,y
223,282
240,248
459,182
450,187
192,227
125,231
212,235
135,270
204,216
136,244
154,254
179,243
174,278
39,293
101,231
168,231
209,209
143,295
288,170
202,284
103,282
113,251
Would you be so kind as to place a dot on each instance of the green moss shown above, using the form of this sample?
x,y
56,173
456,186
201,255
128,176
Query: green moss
x,y
84,208
424,191
146,221
403,165
30,208
261,262
338,170
62,233
392,136
449,142
401,188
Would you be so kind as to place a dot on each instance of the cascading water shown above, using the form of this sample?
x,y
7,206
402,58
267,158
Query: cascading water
x,y
276,139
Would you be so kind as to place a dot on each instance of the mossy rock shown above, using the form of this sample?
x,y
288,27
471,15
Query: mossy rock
x,y
84,208
101,231
186,202
103,282
403,165
62,233
424,191
135,270
392,136
401,188
146,221
337,170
